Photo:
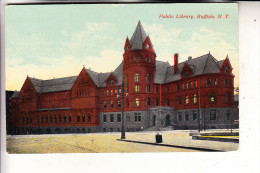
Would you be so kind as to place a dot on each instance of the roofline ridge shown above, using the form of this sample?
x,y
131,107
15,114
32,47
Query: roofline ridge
x,y
205,63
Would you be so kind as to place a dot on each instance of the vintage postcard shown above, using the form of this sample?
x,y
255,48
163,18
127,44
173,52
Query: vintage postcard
x,y
122,78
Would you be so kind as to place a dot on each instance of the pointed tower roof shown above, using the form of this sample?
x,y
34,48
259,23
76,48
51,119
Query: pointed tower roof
x,y
138,38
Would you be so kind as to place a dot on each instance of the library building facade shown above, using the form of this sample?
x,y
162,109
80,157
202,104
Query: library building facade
x,y
196,93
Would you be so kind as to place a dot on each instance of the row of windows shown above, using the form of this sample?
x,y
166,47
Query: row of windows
x,y
56,119
212,115
195,98
194,116
82,93
187,85
137,78
111,92
138,58
111,118
111,104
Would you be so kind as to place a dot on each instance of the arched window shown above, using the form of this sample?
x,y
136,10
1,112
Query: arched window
x,y
89,118
186,99
69,118
194,98
147,46
59,118
64,118
212,97
78,118
83,118
137,102
136,77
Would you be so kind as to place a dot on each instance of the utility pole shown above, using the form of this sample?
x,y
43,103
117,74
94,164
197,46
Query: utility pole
x,y
123,117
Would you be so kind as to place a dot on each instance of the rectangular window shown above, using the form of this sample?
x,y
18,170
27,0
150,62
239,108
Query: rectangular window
x,y
111,117
42,119
111,104
111,92
189,84
179,116
148,78
156,102
137,87
148,88
118,117
208,82
178,87
186,116
69,118
179,100
194,115
104,118
50,119
156,90
167,102
55,119
195,83
167,89
148,102
214,81
213,115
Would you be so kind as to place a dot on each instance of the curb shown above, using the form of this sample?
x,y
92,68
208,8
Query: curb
x,y
176,146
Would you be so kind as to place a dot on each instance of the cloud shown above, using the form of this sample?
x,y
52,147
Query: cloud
x,y
16,74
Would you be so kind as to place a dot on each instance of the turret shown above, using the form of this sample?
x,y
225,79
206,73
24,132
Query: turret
x,y
138,69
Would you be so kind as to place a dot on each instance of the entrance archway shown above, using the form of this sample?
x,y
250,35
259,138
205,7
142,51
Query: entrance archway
x,y
167,120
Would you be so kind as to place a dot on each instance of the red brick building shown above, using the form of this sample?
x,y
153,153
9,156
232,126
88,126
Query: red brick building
x,y
156,94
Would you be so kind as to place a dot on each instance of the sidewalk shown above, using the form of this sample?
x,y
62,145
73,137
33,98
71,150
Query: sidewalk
x,y
182,139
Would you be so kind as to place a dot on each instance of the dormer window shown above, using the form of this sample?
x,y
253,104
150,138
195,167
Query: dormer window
x,y
226,69
147,46
110,82
185,74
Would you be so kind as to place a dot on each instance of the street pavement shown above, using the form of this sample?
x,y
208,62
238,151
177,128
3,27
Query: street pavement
x,y
110,143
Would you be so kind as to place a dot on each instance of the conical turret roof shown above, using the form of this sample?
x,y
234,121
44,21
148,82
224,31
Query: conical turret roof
x,y
138,38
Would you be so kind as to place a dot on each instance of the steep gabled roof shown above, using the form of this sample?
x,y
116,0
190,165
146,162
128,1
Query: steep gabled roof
x,y
138,37
101,78
201,65
160,71
118,73
59,84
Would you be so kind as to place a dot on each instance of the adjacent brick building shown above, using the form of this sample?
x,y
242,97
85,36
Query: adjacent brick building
x,y
156,94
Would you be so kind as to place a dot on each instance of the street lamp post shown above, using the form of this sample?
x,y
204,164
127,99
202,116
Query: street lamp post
x,y
199,111
123,117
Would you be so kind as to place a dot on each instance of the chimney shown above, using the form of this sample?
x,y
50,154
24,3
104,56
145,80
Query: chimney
x,y
176,55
